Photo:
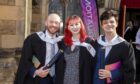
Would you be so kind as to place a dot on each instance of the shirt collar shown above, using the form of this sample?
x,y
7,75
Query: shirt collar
x,y
112,40
116,40
47,38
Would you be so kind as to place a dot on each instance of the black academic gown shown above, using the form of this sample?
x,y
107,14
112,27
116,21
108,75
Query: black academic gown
x,y
86,62
33,46
130,35
123,53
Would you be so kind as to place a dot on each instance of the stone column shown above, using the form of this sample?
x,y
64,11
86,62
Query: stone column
x,y
11,37
28,17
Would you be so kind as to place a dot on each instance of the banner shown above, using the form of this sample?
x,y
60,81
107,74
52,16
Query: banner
x,y
90,17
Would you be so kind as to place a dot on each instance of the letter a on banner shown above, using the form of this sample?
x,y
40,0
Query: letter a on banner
x,y
90,17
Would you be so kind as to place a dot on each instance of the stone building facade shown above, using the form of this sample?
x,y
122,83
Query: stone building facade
x,y
19,18
11,37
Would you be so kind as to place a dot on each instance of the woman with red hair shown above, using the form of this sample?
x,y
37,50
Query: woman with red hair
x,y
74,29
75,66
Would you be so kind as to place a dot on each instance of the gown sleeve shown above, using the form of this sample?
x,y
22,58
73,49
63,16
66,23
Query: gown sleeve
x,y
128,64
25,63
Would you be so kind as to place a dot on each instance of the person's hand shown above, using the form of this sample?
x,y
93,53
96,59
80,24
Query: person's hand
x,y
104,74
42,73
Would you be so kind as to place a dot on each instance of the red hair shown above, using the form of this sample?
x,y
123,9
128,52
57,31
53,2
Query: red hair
x,y
68,34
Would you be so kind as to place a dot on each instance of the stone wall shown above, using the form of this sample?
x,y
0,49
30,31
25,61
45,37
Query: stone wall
x,y
11,37
7,70
9,59
7,27
11,23
7,2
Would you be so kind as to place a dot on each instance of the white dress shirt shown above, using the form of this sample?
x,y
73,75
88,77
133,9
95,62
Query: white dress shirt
x,y
108,44
138,39
108,48
48,48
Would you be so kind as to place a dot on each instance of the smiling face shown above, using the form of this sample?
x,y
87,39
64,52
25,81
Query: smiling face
x,y
109,25
53,23
109,21
74,26
74,29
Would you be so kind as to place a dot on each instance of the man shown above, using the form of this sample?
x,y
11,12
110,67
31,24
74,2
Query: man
x,y
115,62
37,52
130,34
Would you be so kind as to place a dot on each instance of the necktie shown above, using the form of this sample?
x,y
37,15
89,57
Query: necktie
x,y
52,69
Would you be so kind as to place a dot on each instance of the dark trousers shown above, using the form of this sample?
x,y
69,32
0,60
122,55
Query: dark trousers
x,y
137,54
47,80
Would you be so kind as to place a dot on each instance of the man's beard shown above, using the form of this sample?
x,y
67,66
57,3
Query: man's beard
x,y
53,32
